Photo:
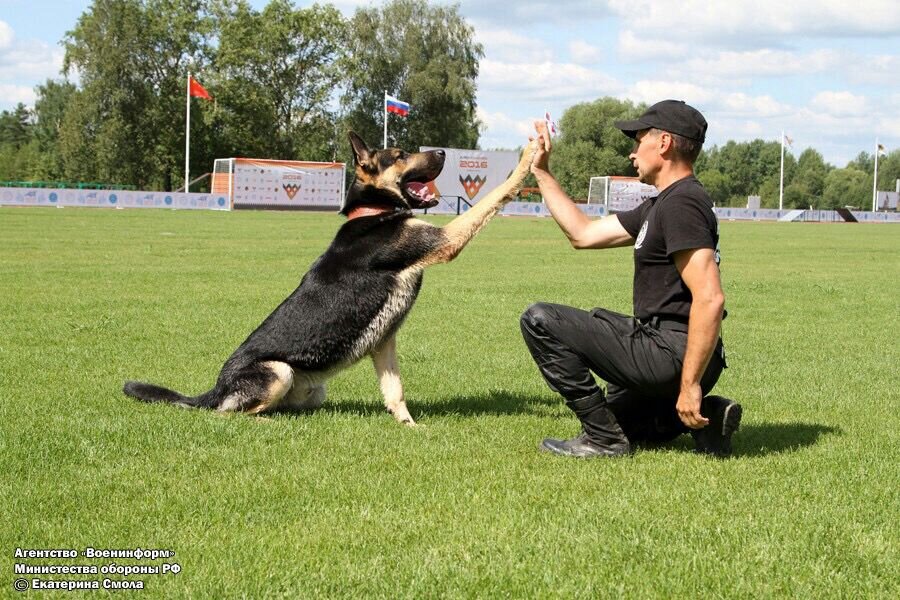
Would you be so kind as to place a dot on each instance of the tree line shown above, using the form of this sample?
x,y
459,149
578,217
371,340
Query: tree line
x,y
590,145
289,83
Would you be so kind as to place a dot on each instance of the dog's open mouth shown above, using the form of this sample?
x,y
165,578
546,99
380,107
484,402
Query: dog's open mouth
x,y
420,195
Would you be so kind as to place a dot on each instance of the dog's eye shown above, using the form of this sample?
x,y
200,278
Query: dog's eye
x,y
403,156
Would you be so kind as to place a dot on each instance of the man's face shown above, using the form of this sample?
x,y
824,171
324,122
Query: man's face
x,y
645,156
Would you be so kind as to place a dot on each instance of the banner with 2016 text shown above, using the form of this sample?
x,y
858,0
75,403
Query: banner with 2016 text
x,y
469,174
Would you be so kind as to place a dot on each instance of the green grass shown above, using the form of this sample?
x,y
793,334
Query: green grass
x,y
346,503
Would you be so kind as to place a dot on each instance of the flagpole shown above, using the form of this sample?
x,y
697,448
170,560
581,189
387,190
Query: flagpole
x,y
875,181
187,137
781,177
384,106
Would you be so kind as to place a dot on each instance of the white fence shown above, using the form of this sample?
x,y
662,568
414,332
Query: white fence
x,y
539,209
219,201
111,199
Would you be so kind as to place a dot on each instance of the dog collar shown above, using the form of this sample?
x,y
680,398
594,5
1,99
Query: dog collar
x,y
369,210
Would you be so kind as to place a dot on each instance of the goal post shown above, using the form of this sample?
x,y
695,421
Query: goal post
x,y
618,193
223,178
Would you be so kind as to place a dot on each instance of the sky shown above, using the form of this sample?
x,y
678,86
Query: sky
x,y
826,72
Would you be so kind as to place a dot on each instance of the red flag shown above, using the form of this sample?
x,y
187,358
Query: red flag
x,y
198,90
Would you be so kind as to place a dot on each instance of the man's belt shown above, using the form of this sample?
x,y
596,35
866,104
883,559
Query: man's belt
x,y
670,323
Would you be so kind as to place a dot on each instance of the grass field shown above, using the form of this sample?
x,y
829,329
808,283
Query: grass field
x,y
346,503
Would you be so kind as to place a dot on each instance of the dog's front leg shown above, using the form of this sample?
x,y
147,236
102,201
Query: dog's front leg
x,y
385,360
463,228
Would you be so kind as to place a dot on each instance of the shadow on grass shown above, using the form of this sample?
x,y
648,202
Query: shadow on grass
x,y
751,440
762,439
491,403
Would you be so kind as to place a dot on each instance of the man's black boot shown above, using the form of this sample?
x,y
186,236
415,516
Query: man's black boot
x,y
600,434
724,419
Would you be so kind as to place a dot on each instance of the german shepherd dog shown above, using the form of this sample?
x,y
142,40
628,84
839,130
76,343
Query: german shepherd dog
x,y
355,296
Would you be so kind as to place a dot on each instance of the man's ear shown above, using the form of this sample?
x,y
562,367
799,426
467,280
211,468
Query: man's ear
x,y
665,142
361,152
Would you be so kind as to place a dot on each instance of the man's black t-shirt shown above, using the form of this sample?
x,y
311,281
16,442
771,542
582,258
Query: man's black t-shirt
x,y
680,218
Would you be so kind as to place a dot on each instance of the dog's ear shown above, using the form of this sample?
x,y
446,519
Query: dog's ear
x,y
361,152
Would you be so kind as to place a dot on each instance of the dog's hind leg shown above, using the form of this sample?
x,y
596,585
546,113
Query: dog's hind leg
x,y
385,359
305,395
259,388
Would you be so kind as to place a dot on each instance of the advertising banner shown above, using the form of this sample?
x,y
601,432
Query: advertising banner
x,y
287,184
111,199
626,193
469,174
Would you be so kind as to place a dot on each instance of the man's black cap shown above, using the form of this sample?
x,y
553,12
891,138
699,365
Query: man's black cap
x,y
673,116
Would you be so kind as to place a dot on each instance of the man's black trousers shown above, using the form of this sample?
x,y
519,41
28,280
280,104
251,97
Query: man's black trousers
x,y
641,363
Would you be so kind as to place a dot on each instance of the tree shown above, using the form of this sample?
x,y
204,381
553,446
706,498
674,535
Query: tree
x,y
20,159
716,185
810,177
575,163
590,145
864,162
53,99
847,187
889,171
277,71
16,126
749,168
20,163
423,54
132,56
797,195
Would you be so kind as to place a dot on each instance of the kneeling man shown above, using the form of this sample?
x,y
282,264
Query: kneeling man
x,y
660,364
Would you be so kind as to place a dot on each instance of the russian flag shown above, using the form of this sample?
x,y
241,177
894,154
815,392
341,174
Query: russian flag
x,y
395,106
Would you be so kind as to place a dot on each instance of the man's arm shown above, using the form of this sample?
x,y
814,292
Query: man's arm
x,y
581,230
700,273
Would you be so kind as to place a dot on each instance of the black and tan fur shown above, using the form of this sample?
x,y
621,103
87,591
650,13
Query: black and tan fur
x,y
355,296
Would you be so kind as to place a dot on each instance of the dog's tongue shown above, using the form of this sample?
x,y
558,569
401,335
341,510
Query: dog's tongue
x,y
420,190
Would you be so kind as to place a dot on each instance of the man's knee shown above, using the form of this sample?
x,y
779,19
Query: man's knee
x,y
537,319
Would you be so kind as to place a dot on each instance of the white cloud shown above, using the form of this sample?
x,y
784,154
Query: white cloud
x,y
840,104
722,128
530,13
583,53
652,91
749,23
30,60
521,13
10,95
501,130
509,46
880,69
763,63
24,64
632,48
889,126
740,104
561,82
7,35
709,101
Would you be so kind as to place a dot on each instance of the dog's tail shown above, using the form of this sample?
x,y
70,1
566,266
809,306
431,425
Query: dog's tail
x,y
147,392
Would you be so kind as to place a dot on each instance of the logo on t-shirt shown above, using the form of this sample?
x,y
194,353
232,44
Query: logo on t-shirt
x,y
641,235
